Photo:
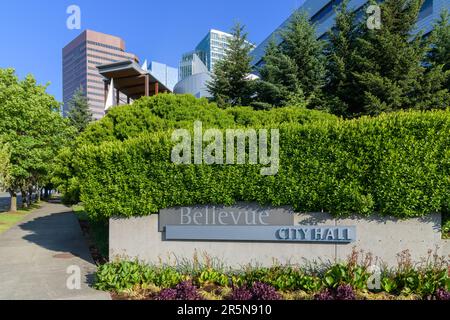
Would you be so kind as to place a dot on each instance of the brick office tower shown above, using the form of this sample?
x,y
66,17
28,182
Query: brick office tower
x,y
80,59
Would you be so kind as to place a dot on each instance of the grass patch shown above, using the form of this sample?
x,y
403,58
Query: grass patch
x,y
10,219
98,231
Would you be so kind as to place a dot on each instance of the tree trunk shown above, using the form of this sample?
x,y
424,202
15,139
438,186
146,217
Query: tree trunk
x,y
30,196
24,198
13,204
38,194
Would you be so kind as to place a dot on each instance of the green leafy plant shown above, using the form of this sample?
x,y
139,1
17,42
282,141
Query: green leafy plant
x,y
211,276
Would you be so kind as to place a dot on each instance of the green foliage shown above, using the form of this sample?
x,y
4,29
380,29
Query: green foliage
x,y
281,278
440,40
122,275
79,113
229,84
211,276
294,71
395,164
5,165
279,85
423,282
33,129
341,274
340,63
300,43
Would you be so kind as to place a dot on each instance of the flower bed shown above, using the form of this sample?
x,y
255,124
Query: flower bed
x,y
351,280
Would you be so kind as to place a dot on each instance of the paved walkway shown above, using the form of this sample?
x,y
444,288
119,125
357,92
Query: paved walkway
x,y
35,255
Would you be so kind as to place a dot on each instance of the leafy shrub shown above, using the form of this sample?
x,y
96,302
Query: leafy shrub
x,y
183,291
339,274
213,277
118,276
427,281
282,278
395,164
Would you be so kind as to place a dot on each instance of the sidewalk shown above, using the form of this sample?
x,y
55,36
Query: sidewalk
x,y
35,255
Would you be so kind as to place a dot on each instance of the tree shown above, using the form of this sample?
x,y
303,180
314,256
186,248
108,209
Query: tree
x,y
230,84
389,61
79,113
278,85
5,169
440,39
340,52
33,129
434,89
300,44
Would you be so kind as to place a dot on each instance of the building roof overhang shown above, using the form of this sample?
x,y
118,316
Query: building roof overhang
x,y
130,78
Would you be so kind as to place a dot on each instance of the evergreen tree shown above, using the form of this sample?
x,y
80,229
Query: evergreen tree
x,y
434,92
300,44
278,85
79,114
440,39
230,84
390,60
340,53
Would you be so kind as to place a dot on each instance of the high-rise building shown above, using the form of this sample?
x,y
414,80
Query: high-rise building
x,y
80,60
322,13
196,66
211,49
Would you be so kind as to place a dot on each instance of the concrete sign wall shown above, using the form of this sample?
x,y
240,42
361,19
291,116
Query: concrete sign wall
x,y
250,234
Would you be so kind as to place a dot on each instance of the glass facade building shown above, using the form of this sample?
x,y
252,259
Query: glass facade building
x,y
322,13
211,49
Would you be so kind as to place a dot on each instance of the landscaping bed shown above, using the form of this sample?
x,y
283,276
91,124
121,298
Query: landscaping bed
x,y
208,280
96,235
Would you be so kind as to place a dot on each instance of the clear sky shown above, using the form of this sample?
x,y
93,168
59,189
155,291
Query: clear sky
x,y
33,32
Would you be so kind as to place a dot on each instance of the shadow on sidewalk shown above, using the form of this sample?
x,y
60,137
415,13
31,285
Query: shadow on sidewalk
x,y
59,232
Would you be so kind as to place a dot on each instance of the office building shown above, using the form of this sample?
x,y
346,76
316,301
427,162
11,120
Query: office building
x,y
196,66
322,13
80,60
210,50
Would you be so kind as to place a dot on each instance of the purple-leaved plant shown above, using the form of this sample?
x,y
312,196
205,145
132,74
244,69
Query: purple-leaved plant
x,y
259,291
183,291
442,294
343,292
263,291
241,293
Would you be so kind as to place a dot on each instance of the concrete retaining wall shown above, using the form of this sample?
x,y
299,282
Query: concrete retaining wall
x,y
381,236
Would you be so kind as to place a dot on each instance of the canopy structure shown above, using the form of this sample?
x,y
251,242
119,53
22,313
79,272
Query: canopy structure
x,y
130,80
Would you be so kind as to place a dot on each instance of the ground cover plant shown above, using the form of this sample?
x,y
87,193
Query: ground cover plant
x,y
348,280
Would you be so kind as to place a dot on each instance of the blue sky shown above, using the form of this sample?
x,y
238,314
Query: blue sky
x,y
34,32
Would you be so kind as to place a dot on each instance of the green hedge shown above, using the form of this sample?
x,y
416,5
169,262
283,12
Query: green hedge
x,y
397,164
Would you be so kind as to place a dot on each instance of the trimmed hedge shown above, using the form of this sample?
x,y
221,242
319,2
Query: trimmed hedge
x,y
397,164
